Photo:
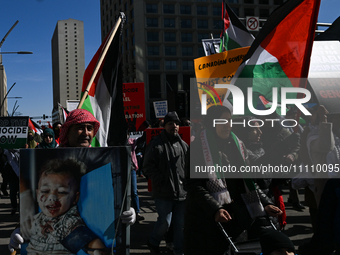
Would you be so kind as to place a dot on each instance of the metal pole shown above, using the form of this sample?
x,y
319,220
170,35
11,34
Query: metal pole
x,y
6,96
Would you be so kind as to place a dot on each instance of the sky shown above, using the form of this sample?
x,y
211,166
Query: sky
x,y
37,20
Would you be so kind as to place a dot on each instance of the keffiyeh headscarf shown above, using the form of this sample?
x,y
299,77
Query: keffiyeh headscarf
x,y
77,116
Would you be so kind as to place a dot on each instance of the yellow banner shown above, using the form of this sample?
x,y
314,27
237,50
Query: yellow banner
x,y
217,69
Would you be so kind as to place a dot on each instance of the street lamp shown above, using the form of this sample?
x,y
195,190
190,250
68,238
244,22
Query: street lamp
x,y
3,78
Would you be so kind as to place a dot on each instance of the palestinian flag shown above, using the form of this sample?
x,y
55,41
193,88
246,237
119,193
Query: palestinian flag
x,y
281,50
105,97
32,125
235,34
65,112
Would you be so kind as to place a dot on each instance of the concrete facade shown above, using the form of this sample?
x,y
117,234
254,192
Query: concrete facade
x,y
68,61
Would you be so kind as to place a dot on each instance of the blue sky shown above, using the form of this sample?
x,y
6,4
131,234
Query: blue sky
x,y
37,21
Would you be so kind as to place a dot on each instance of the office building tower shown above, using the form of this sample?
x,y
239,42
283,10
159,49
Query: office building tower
x,y
68,62
161,38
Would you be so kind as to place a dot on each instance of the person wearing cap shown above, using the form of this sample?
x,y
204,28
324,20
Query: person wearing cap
x,y
78,130
164,164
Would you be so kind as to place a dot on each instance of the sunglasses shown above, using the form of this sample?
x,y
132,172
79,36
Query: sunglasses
x,y
50,136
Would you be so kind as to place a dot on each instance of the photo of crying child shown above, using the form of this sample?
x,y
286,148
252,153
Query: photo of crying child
x,y
58,228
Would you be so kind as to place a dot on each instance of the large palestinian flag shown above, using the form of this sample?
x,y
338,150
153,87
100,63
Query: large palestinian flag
x,y
105,98
235,34
281,50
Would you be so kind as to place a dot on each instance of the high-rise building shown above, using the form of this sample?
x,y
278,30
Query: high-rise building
x,y
68,62
161,38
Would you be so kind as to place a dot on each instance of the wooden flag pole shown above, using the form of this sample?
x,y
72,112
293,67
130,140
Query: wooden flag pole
x,y
100,61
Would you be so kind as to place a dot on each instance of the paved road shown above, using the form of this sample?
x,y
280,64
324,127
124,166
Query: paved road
x,y
298,228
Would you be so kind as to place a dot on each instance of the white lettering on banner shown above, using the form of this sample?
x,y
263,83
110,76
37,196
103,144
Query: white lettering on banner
x,y
233,123
238,107
135,116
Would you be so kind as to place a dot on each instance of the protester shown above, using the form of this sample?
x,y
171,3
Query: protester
x,y
164,164
48,140
9,166
214,199
56,130
31,143
251,137
282,147
78,131
134,167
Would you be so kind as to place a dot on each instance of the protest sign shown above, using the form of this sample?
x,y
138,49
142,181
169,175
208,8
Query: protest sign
x,y
325,60
211,46
222,67
324,74
327,92
13,132
104,181
134,105
161,108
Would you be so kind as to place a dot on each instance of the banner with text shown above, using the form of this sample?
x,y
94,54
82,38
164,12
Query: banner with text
x,y
221,66
13,132
134,105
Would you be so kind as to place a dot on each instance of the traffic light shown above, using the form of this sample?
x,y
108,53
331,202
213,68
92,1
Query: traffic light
x,y
44,116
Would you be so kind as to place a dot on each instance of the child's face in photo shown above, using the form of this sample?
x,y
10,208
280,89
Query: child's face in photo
x,y
56,194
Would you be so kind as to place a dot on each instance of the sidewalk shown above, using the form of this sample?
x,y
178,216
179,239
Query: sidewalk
x,y
298,228
7,223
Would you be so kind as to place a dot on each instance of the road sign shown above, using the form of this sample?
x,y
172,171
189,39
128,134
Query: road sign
x,y
253,23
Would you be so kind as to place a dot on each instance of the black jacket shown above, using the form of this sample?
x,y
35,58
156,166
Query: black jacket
x,y
164,164
201,234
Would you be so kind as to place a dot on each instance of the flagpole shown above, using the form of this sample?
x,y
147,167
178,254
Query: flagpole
x,y
100,61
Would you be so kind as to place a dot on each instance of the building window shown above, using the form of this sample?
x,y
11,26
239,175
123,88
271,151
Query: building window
x,y
152,22
154,86
202,23
187,65
218,24
169,37
201,36
264,13
170,65
185,9
236,10
186,23
187,51
217,11
151,8
202,10
153,50
170,50
186,37
201,52
249,12
153,64
168,8
169,23
152,36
